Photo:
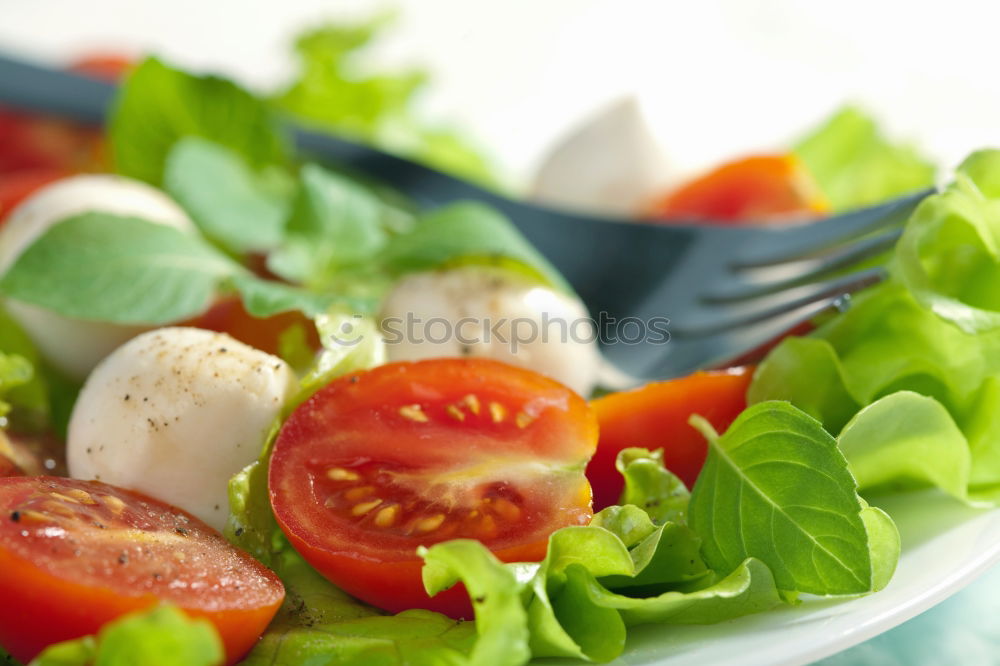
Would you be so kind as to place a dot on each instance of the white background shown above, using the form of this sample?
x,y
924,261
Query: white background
x,y
716,77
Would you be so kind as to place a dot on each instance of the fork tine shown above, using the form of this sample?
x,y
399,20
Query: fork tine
x,y
714,318
783,245
687,354
739,286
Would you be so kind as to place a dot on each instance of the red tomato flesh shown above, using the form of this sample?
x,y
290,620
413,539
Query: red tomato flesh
x,y
76,554
229,316
408,454
656,416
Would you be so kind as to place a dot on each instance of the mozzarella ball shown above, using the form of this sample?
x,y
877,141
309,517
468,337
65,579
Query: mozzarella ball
x,y
491,313
611,164
174,413
75,346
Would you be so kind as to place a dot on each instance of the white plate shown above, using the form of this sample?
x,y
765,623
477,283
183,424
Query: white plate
x,y
945,547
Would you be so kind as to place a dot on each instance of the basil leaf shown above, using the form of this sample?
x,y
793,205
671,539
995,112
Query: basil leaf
x,y
336,222
103,267
468,233
263,298
331,92
231,204
775,487
856,165
158,105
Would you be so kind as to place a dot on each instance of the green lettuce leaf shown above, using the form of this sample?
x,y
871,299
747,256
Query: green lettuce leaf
x,y
821,393
949,255
158,105
856,165
775,487
15,371
335,90
906,439
651,487
233,205
163,636
921,342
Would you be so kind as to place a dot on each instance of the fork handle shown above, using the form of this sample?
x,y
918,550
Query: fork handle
x,y
52,91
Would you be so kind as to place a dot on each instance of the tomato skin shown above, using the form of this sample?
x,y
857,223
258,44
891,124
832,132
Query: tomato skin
x,y
656,416
394,436
104,66
30,142
227,315
62,586
18,186
8,468
759,188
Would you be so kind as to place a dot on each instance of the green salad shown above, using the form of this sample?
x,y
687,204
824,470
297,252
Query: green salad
x,y
899,391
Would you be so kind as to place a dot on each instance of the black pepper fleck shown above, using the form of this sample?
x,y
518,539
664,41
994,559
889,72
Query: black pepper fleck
x,y
239,531
15,516
123,558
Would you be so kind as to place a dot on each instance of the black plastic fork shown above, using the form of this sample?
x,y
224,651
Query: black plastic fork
x,y
725,290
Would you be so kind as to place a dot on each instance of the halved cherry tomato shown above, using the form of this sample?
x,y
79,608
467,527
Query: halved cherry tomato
x,y
762,188
228,315
410,454
17,186
656,416
77,554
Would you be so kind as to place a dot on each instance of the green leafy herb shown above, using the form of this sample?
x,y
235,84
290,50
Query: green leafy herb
x,y
855,165
231,204
336,91
468,233
776,488
158,105
104,267
163,636
336,224
108,268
